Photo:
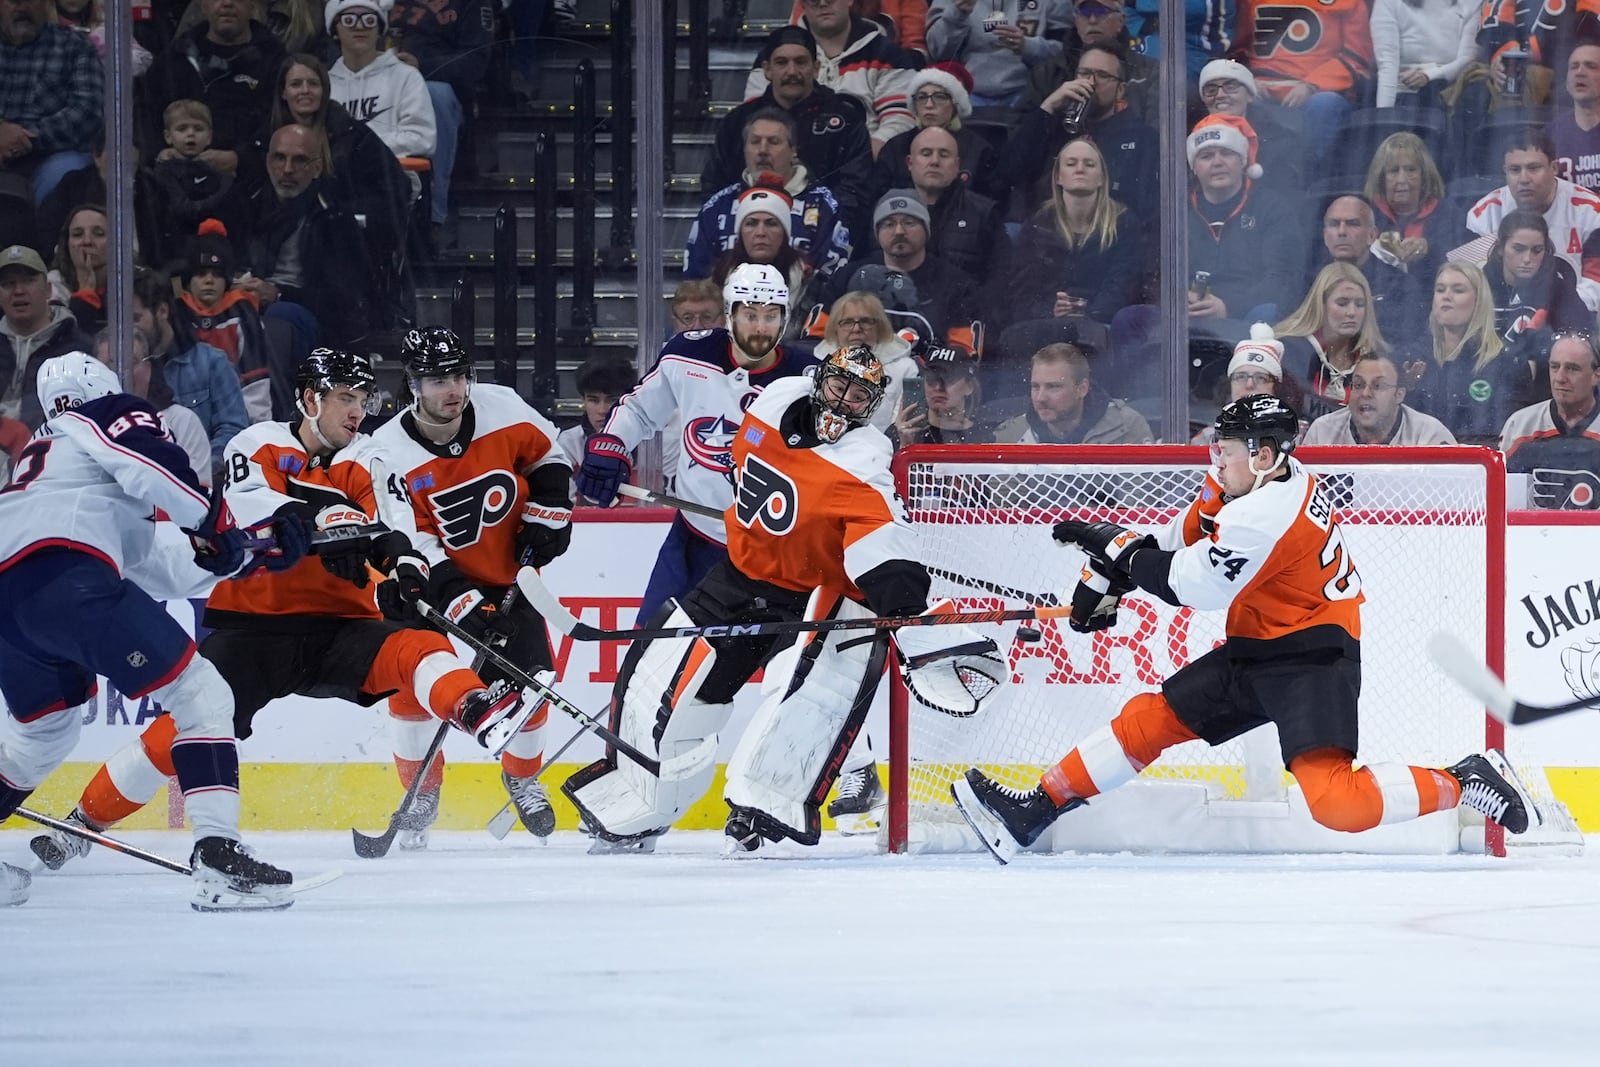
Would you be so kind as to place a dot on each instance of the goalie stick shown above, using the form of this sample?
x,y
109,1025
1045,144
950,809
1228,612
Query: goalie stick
x,y
1471,674
645,496
557,615
678,767
112,843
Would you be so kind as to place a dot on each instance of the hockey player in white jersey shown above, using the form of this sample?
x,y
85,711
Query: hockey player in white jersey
x,y
816,531
80,565
489,491
709,377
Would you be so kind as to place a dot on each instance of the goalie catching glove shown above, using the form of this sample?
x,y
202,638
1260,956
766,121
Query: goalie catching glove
x,y
952,669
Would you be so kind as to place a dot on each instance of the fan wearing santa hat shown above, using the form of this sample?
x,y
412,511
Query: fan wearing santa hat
x,y
1227,87
941,96
1245,243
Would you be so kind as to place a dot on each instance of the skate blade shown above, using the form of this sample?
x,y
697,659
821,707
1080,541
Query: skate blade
x,y
1503,767
411,840
859,824
598,847
1001,845
214,894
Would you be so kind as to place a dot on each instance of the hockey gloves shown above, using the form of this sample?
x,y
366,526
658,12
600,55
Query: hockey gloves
x,y
481,618
545,534
291,529
605,466
1106,543
345,558
220,547
407,581
1095,599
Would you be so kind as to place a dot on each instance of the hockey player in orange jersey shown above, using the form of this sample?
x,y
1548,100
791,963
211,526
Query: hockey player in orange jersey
x,y
816,530
488,489
1274,556
314,627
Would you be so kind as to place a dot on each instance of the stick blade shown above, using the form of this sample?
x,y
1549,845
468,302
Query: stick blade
x,y
546,603
504,821
1471,674
374,848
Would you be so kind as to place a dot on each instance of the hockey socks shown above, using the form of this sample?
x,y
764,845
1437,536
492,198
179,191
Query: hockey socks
x,y
1343,797
525,755
1117,752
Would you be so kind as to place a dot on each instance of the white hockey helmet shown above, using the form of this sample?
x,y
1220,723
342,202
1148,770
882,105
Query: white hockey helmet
x,y
72,380
755,283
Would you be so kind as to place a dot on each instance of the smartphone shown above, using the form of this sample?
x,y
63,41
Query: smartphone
x,y
913,393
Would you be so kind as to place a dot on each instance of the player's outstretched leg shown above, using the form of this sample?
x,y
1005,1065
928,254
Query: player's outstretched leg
x,y
14,883
1006,820
1490,785
55,848
411,732
860,802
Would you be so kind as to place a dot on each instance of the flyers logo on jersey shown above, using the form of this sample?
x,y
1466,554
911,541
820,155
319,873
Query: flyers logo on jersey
x,y
1293,29
464,511
766,495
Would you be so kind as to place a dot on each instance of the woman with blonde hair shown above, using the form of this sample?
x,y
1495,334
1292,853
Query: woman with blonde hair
x,y
1465,378
1334,326
858,318
1406,192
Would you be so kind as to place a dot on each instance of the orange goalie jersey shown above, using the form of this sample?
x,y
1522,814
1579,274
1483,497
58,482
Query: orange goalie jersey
x,y
467,495
264,468
1276,559
804,517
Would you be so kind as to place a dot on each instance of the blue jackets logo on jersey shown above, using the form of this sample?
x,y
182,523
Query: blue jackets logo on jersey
x,y
708,441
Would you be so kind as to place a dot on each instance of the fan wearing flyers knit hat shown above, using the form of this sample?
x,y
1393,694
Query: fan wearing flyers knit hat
x,y
941,95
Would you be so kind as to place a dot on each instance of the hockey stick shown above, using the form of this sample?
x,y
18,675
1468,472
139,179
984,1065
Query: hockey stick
x,y
556,614
634,492
506,817
1467,671
108,842
677,767
372,848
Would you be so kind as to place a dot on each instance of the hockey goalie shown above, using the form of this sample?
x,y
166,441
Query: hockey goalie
x,y
816,531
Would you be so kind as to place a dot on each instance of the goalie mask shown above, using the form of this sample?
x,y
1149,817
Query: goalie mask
x,y
848,390
72,380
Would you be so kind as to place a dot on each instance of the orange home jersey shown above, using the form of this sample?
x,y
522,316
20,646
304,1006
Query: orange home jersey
x,y
1326,43
804,517
467,495
1276,560
264,468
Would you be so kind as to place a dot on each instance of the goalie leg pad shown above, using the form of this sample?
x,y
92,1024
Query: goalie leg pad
x,y
816,695
654,708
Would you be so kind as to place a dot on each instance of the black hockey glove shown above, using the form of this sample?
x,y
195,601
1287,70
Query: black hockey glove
x,y
481,617
1112,546
345,558
1095,599
291,527
399,593
545,534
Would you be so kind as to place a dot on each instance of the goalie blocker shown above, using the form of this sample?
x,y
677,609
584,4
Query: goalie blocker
x,y
816,531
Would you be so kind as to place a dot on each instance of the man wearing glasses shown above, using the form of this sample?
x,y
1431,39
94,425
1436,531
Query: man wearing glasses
x,y
1377,414
1228,88
1098,22
998,40
1555,441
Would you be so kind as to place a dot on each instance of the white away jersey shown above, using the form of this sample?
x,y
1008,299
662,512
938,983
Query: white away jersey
x,y
1574,220
697,376
93,479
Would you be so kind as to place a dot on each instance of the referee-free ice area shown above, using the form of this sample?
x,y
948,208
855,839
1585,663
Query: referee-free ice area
x,y
477,952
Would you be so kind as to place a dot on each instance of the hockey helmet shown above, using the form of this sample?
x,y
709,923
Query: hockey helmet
x,y
325,368
853,365
1255,420
755,283
72,380
434,352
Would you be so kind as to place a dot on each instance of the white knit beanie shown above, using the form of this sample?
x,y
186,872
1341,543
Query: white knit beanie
x,y
1261,350
1221,70
334,8
758,199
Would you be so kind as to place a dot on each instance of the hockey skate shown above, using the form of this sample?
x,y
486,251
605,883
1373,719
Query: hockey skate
x,y
229,878
859,805
14,883
528,796
414,824
1490,786
55,848
1006,820
604,844
494,715
745,830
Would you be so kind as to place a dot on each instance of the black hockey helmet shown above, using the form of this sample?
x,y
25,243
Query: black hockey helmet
x,y
325,368
433,352
1258,419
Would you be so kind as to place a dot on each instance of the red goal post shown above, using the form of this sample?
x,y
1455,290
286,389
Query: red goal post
x,y
1426,528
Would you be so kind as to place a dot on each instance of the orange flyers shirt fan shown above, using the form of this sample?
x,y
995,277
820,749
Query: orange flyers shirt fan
x,y
809,516
467,495
266,467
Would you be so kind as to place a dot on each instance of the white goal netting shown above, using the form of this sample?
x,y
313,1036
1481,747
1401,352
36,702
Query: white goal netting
x,y
1424,528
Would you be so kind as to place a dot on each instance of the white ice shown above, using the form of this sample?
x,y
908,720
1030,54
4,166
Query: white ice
x,y
479,953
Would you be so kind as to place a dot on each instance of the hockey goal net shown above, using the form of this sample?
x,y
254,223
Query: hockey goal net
x,y
1424,527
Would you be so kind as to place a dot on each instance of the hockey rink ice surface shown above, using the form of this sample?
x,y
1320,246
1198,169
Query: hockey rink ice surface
x,y
478,952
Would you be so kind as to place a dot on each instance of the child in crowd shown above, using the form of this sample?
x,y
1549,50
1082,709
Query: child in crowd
x,y
187,188
602,381
210,309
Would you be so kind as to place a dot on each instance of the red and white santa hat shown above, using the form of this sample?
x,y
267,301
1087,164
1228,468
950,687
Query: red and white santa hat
x,y
758,199
1261,350
1225,131
953,78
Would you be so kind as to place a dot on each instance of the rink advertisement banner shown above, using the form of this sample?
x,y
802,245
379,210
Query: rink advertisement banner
x,y
332,758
